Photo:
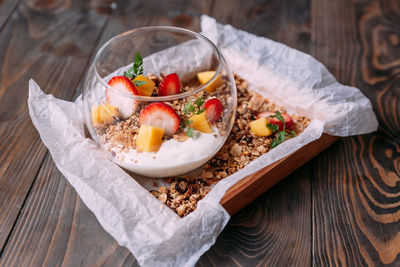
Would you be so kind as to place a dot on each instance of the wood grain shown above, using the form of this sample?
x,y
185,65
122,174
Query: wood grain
x,y
272,230
356,199
281,20
53,50
69,225
6,9
57,229
342,208
252,186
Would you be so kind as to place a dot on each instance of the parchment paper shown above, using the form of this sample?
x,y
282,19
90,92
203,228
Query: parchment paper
x,y
153,233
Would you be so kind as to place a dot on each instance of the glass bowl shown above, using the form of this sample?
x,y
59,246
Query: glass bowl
x,y
167,116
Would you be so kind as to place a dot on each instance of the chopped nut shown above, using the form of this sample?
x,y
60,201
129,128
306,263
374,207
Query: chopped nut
x,y
181,186
256,102
182,137
163,190
255,152
236,150
262,149
162,197
194,198
207,174
181,210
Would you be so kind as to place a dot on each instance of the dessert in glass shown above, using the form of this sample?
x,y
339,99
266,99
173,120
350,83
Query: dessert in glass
x,y
161,101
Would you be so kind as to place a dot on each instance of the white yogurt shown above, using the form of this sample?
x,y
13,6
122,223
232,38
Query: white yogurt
x,y
173,158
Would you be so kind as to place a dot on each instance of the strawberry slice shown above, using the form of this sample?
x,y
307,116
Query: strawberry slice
x,y
125,105
213,109
160,115
170,85
274,120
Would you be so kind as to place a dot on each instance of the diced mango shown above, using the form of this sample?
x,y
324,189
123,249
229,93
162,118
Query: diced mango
x,y
205,76
259,127
149,138
145,89
200,123
104,114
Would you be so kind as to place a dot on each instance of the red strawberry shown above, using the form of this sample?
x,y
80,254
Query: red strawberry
x,y
160,115
170,85
274,120
213,109
124,104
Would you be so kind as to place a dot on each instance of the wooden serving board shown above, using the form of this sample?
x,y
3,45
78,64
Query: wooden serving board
x,y
252,186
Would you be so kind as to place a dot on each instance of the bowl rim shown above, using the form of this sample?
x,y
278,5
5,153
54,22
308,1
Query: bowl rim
x,y
138,31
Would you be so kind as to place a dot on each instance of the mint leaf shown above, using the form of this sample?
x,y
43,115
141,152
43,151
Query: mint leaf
x,y
129,74
190,132
185,123
139,83
188,108
278,115
273,127
136,69
199,101
138,65
275,143
281,136
200,111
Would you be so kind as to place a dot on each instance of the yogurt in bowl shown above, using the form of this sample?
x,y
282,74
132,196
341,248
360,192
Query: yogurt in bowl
x,y
164,123
173,158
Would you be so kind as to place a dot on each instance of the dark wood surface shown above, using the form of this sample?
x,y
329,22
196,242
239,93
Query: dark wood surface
x,y
342,208
245,191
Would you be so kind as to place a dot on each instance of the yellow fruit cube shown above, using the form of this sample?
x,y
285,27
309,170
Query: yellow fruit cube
x,y
145,89
200,123
259,127
205,76
149,138
104,114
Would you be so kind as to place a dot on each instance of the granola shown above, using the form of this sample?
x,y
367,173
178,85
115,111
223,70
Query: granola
x,y
243,144
239,150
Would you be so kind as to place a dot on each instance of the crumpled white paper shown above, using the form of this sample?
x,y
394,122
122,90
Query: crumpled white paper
x,y
153,233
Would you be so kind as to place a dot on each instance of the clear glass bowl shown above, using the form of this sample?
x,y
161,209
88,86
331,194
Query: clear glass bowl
x,y
134,129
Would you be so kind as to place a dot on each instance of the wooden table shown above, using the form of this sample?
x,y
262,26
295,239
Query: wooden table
x,y
341,208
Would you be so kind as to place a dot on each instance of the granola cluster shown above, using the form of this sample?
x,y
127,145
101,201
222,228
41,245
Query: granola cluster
x,y
182,195
239,150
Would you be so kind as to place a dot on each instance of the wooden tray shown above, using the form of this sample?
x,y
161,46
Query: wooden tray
x,y
251,187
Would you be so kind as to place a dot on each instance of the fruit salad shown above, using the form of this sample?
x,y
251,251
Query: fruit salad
x,y
161,138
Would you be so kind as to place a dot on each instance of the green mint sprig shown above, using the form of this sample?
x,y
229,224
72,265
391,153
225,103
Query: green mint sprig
x,y
189,107
199,101
194,109
185,123
190,132
273,127
279,135
200,111
139,83
136,69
